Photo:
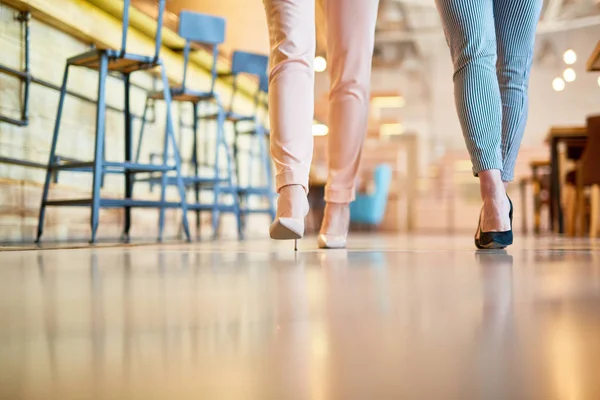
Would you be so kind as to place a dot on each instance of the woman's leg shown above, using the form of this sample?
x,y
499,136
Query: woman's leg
x,y
469,30
515,22
350,39
470,33
291,101
351,34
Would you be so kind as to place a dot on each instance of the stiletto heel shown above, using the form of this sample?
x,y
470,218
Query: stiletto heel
x,y
494,240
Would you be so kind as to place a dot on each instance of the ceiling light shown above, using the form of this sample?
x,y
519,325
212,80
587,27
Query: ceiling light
x,y
388,102
320,64
570,57
320,130
558,84
391,129
569,75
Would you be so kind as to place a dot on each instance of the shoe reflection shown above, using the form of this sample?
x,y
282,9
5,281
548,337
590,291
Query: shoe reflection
x,y
492,337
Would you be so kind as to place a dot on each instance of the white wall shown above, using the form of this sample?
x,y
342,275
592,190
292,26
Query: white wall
x,y
435,120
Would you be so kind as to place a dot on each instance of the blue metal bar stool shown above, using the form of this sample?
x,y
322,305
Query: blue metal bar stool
x,y
252,127
204,30
124,63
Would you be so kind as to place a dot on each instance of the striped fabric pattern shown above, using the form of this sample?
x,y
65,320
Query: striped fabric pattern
x,y
491,43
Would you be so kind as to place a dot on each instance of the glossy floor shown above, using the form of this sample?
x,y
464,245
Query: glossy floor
x,y
395,317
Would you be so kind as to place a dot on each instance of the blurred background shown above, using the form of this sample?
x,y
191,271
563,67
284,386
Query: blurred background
x,y
413,127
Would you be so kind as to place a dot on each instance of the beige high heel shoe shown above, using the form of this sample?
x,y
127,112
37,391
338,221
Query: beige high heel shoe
x,y
330,235
292,208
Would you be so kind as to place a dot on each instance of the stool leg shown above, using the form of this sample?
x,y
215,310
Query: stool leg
x,y
138,150
236,152
595,212
216,209
99,146
142,128
51,159
180,123
232,185
205,142
128,156
163,183
102,174
251,155
171,134
196,167
236,167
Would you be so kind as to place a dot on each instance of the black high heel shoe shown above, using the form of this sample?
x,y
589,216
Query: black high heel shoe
x,y
494,240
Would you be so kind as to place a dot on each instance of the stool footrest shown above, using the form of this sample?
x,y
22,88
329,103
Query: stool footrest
x,y
114,203
256,210
193,180
112,167
209,207
261,191
187,181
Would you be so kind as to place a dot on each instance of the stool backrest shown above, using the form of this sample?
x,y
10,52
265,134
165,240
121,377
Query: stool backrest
x,y
243,62
263,85
591,157
159,21
205,30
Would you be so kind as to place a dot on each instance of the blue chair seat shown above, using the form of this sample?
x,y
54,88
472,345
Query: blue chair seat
x,y
370,208
117,60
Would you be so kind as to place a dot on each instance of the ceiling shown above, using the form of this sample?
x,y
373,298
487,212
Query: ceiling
x,y
404,30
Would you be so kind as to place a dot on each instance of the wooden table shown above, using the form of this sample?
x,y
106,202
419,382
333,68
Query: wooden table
x,y
557,135
593,62
538,185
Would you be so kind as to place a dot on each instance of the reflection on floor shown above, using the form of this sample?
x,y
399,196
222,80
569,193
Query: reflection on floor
x,y
401,317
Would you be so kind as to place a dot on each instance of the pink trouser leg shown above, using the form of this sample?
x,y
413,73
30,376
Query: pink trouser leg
x,y
291,88
351,31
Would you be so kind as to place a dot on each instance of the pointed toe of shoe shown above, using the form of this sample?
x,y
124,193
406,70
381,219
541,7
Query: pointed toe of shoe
x,y
331,241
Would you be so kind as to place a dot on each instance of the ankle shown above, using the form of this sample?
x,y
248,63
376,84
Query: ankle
x,y
293,188
336,219
336,206
292,202
491,186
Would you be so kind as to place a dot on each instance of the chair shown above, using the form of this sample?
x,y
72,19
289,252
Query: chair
x,y
245,63
574,152
123,63
203,30
588,175
540,182
370,208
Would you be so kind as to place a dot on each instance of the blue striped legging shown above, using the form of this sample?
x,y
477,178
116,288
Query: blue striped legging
x,y
491,43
